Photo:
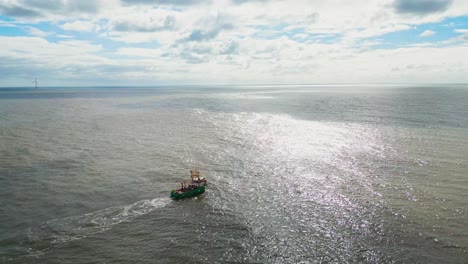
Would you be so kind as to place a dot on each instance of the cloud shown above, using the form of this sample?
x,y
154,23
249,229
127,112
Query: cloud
x,y
33,9
200,35
139,52
118,68
208,34
312,18
231,47
37,32
421,7
18,11
163,2
168,23
193,58
239,2
64,5
24,57
16,67
427,33
64,36
7,24
194,53
463,36
84,26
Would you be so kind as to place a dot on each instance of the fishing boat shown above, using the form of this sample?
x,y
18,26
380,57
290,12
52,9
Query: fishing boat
x,y
196,186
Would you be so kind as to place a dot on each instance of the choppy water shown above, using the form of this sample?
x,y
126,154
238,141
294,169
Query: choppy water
x,y
298,174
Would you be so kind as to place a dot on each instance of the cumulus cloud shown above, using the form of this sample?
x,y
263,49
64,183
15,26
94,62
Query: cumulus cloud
x,y
64,36
231,47
238,2
13,10
63,5
427,33
209,29
37,32
462,37
36,9
151,25
200,35
139,52
421,7
163,2
193,58
79,26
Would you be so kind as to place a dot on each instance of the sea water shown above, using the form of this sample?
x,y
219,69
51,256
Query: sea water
x,y
297,174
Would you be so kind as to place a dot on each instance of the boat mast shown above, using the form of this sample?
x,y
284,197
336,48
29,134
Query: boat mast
x,y
194,174
35,82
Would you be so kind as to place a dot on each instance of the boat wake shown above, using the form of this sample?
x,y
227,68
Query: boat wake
x,y
77,227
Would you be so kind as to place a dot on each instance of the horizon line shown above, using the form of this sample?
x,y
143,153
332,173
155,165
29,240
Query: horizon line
x,y
217,85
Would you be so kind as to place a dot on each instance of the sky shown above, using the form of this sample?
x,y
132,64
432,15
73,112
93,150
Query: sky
x,y
180,42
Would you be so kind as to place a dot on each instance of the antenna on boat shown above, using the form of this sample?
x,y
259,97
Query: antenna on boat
x,y
35,82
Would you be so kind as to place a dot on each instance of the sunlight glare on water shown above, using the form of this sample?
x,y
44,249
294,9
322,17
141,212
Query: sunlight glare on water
x,y
303,174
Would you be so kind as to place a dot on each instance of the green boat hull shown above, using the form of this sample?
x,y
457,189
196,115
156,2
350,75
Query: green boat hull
x,y
176,196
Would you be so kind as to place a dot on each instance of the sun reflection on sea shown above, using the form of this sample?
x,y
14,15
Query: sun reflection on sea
x,y
302,184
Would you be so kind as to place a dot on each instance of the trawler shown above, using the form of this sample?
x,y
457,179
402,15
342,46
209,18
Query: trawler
x,y
196,186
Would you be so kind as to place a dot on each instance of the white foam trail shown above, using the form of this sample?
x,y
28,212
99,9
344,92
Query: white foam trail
x,y
78,227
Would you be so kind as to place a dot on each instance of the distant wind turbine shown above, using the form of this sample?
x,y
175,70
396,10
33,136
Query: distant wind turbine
x,y
35,81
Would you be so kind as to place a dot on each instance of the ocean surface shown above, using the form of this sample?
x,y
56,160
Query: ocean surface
x,y
297,174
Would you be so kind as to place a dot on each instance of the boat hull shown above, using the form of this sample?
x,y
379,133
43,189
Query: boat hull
x,y
175,195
